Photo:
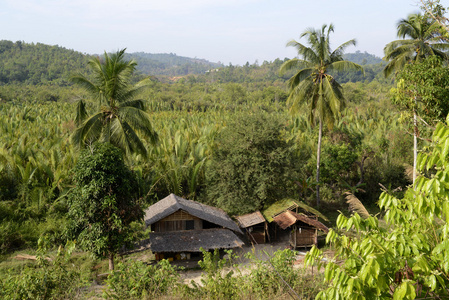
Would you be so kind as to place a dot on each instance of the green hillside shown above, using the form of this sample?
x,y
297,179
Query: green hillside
x,y
364,58
170,64
37,64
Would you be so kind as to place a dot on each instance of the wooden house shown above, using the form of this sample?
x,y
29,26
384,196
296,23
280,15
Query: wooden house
x,y
304,225
180,227
255,226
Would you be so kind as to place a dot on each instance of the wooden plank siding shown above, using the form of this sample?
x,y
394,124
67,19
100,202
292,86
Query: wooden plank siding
x,y
179,220
304,237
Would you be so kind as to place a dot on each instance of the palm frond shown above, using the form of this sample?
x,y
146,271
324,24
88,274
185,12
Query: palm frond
x,y
299,77
333,92
89,131
355,205
345,66
298,95
124,137
423,39
337,54
85,84
293,64
139,120
137,103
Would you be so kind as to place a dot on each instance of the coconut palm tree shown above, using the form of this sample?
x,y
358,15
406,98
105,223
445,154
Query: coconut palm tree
x,y
119,115
421,37
312,84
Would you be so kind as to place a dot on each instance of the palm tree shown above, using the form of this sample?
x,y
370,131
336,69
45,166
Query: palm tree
x,y
119,114
421,37
313,85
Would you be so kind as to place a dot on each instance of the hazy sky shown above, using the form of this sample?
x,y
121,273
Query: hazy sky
x,y
233,31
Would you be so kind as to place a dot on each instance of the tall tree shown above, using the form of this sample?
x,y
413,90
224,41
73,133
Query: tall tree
x,y
436,11
313,86
104,202
420,37
119,113
251,167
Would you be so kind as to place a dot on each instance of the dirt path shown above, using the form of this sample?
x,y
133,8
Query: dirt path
x,y
261,252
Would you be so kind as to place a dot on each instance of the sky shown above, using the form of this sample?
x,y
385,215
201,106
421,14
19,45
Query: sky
x,y
226,31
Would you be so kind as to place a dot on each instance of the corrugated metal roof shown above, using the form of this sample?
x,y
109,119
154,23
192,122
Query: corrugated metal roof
x,y
193,240
249,220
173,203
289,218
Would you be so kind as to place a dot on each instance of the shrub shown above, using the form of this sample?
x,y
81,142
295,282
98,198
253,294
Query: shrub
x,y
47,280
136,280
217,283
276,277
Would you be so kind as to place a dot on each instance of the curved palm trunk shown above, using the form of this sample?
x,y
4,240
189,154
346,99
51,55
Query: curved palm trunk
x,y
318,160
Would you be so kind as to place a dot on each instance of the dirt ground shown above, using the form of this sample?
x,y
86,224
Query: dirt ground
x,y
261,251
192,271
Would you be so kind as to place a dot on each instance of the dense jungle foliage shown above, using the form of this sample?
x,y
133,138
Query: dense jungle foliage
x,y
226,138
369,145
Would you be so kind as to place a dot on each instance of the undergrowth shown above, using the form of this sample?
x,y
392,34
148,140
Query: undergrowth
x,y
75,276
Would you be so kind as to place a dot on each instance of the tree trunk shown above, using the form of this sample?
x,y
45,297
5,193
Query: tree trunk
x,y
318,159
111,261
415,144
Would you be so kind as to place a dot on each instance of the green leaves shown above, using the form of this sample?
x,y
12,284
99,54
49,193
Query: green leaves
x,y
423,39
409,254
119,116
406,290
137,280
251,167
104,202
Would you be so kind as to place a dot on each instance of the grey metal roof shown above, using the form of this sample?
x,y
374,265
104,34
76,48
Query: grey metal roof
x,y
173,203
193,240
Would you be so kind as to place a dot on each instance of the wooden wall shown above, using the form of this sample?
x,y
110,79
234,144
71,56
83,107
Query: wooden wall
x,y
177,221
303,237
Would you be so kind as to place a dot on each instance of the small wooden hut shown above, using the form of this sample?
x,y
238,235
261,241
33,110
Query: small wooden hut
x,y
304,225
181,227
255,226
304,228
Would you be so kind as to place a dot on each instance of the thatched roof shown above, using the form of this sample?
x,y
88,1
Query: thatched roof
x,y
173,203
288,218
193,240
289,204
249,220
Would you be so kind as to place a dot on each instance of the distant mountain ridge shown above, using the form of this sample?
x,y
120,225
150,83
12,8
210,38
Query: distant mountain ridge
x,y
170,64
35,64
364,58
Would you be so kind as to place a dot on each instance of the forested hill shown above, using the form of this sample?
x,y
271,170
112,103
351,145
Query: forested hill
x,y
36,64
33,64
364,58
170,64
